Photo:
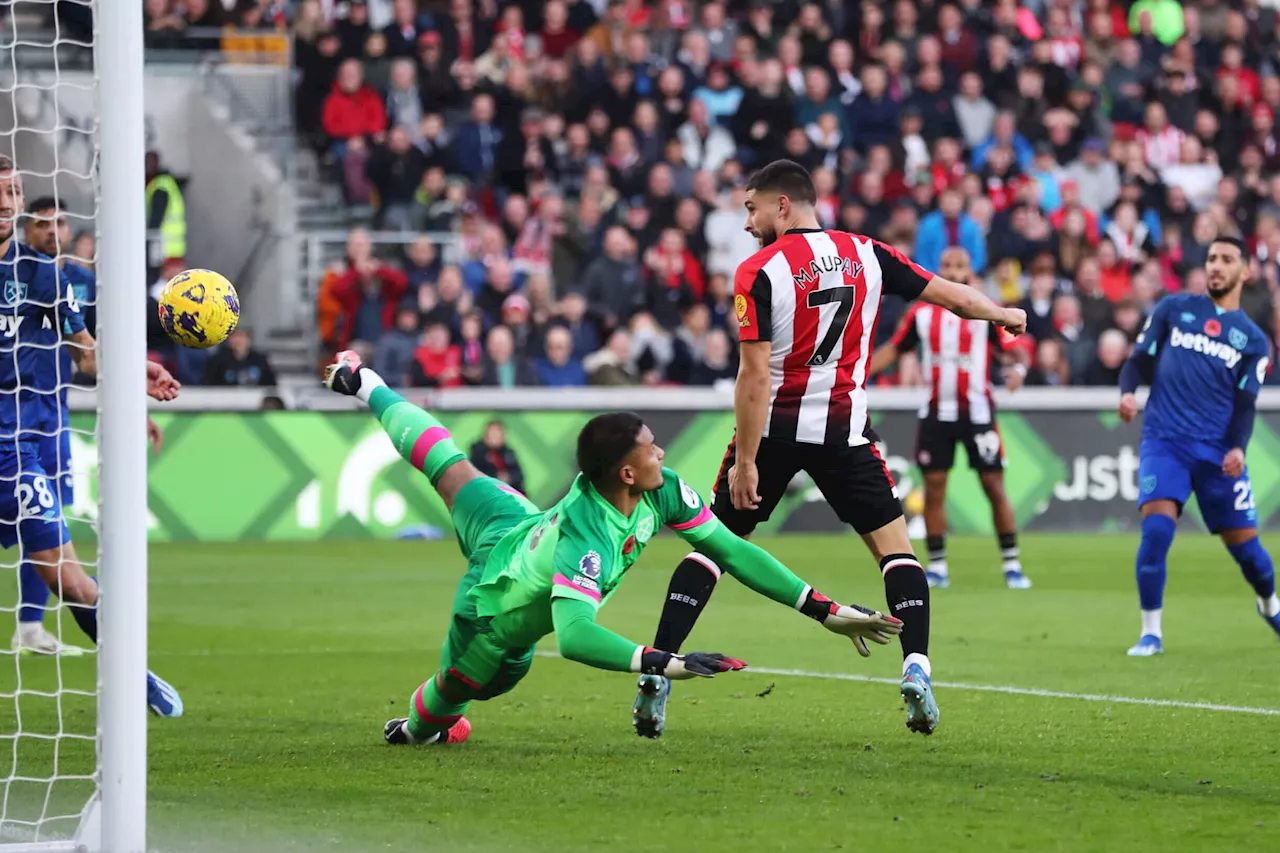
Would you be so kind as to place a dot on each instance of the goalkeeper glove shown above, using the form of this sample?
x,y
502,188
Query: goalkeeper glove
x,y
692,665
857,623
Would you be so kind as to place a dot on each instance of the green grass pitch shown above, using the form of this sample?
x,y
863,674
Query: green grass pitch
x,y
291,657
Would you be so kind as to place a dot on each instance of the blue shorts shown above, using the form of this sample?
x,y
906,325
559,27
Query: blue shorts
x,y
1173,470
30,509
55,458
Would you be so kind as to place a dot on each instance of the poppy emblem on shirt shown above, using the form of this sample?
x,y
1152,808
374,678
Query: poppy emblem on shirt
x,y
1212,328
629,545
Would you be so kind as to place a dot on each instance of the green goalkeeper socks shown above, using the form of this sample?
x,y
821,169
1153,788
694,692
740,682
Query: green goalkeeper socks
x,y
430,713
419,438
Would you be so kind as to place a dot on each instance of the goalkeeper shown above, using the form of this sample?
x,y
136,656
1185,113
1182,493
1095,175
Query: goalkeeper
x,y
531,572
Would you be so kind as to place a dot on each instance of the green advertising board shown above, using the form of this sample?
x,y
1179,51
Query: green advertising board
x,y
312,475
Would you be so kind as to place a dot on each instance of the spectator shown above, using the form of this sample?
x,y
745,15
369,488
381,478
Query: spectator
x,y
1050,368
494,458
238,364
1097,178
436,362
614,364
612,283
1113,349
503,369
498,285
353,110
949,226
974,114
675,278
476,144
558,368
394,354
368,294
572,315
717,362
405,29
704,145
395,169
1069,328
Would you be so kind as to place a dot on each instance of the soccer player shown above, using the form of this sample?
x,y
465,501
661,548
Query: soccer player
x,y
807,305
46,230
38,310
1204,360
956,356
531,572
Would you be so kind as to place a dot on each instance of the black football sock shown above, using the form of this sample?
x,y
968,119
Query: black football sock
x,y
907,592
86,617
691,586
937,548
1009,553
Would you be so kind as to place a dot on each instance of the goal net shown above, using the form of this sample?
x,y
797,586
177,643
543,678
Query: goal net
x,y
63,729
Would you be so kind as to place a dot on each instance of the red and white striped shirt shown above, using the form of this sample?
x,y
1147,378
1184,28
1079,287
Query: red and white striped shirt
x,y
956,359
815,296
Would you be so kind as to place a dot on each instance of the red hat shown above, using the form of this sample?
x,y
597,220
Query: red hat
x,y
429,37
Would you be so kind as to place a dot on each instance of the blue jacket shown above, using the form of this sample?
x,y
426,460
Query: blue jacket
x,y
931,242
872,122
570,376
1023,153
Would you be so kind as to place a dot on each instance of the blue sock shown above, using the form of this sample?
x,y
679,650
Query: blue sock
x,y
33,593
1255,564
1157,537
86,618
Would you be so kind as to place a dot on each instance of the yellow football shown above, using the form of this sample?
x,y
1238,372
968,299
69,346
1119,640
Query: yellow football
x,y
199,308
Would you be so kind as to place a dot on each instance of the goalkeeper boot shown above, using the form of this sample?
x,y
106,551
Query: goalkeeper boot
x,y
1147,645
396,733
917,693
162,699
343,375
649,712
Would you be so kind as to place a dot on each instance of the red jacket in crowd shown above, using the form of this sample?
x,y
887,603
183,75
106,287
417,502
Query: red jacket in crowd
x,y
437,369
358,113
349,291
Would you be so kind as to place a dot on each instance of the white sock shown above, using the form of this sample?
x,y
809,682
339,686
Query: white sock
x,y
1269,606
30,630
917,658
938,567
368,381
1151,622
1012,564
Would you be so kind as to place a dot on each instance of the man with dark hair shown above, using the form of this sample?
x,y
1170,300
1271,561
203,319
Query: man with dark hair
x,y
807,307
1205,361
532,572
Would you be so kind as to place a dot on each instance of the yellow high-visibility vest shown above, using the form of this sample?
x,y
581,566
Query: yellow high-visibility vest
x,y
173,228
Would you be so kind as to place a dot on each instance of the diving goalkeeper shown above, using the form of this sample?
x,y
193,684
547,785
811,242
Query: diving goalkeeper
x,y
531,572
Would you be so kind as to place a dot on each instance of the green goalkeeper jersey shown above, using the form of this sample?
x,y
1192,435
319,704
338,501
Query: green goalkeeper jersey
x,y
581,548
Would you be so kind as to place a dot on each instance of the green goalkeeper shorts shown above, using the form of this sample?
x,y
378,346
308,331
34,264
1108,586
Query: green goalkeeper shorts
x,y
473,663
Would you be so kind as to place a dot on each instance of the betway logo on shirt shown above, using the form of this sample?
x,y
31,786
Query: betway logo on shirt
x,y
831,263
1205,344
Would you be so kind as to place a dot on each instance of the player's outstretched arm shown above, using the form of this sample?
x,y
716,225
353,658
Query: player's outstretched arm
x,y
757,569
83,352
582,640
971,304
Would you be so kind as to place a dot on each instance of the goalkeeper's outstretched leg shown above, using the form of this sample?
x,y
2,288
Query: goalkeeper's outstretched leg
x,y
418,437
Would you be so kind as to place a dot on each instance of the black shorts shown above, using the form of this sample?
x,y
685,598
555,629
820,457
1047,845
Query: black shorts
x,y
854,480
936,445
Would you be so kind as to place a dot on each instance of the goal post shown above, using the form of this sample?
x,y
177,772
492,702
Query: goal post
x,y
122,421
77,778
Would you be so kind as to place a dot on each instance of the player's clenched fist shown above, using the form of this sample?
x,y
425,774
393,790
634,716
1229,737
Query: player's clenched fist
x,y
1015,320
1128,408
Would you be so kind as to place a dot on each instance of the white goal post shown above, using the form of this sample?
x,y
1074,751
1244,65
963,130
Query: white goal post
x,y
111,814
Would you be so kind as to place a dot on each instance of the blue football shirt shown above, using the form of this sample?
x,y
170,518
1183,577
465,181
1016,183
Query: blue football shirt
x,y
37,306
1203,356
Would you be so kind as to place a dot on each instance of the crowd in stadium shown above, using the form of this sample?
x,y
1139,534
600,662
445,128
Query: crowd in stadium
x,y
590,158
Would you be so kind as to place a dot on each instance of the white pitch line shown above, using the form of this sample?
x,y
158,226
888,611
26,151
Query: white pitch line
x,y
1016,691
